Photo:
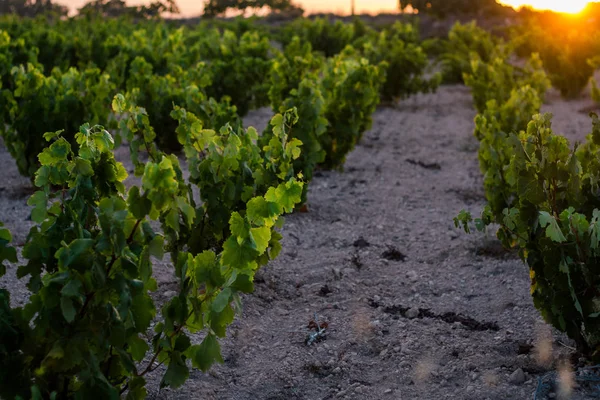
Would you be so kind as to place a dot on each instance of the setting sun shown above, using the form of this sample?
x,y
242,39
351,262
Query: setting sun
x,y
569,6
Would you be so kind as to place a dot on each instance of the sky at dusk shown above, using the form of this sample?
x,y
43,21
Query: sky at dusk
x,y
194,7
555,5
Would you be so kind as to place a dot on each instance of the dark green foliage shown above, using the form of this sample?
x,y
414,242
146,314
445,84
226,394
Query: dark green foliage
x,y
542,193
184,88
309,126
295,84
351,87
239,25
156,60
497,79
234,170
7,252
493,128
506,98
237,62
327,37
290,67
238,67
58,101
555,222
566,60
90,328
406,62
227,166
465,43
13,52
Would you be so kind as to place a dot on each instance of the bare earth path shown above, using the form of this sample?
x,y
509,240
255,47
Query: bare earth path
x,y
415,309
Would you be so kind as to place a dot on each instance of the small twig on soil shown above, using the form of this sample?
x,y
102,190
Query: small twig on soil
x,y
568,347
320,331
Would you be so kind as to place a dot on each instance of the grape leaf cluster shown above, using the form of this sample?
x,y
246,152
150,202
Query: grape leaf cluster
x,y
90,327
543,193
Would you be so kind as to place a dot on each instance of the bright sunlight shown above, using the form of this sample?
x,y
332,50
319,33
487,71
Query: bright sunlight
x,y
567,6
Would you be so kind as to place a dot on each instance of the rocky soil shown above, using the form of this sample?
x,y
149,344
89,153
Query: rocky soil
x,y
415,309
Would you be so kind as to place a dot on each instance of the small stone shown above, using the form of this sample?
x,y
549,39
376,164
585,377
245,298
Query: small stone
x,y
375,325
412,276
517,377
169,294
383,353
412,313
337,273
470,389
359,389
337,370
397,349
387,391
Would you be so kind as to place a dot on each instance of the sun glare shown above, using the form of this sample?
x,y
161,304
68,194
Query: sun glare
x,y
566,6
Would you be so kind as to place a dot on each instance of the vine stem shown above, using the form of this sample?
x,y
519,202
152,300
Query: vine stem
x,y
130,238
175,332
514,233
578,242
112,263
89,298
109,362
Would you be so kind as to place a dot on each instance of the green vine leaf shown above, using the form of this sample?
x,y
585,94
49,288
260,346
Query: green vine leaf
x,y
553,231
68,309
206,354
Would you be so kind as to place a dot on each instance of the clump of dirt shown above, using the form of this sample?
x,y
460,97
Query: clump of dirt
x,y
324,291
448,317
434,166
393,254
361,243
356,261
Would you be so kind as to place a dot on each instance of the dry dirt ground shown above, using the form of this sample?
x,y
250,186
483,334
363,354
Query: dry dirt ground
x,y
415,308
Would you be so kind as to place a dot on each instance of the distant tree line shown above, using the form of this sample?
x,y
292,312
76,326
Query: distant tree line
x,y
444,8
31,8
104,8
213,8
117,8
